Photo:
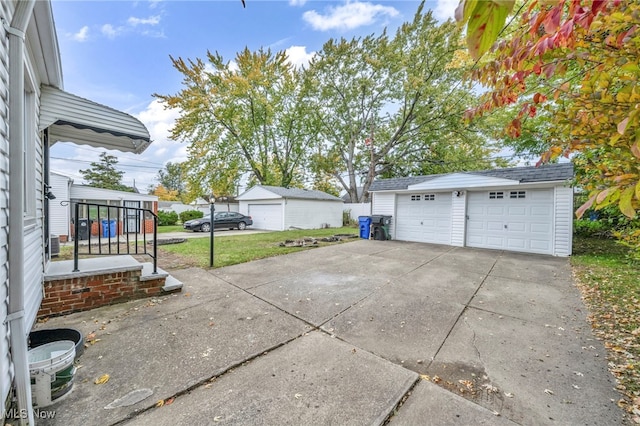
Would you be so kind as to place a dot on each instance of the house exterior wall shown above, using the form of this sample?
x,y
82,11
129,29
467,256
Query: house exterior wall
x,y
385,203
34,254
312,214
59,214
563,221
6,12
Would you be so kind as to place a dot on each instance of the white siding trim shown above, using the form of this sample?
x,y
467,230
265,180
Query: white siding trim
x,y
563,226
458,219
385,203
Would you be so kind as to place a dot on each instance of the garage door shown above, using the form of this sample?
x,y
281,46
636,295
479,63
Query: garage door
x,y
424,218
520,220
266,216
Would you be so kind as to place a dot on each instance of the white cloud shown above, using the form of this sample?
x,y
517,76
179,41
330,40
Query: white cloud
x,y
81,35
297,2
445,9
159,120
110,31
298,55
151,20
349,16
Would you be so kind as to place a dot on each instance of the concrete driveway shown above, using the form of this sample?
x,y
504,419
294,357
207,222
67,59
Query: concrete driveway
x,y
359,333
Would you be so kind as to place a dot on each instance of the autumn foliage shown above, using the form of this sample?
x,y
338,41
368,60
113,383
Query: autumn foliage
x,y
577,61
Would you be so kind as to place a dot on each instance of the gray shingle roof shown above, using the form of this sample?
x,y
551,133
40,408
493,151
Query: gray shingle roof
x,y
544,173
307,194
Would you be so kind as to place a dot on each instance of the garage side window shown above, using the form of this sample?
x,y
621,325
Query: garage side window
x,y
416,197
493,195
429,197
517,194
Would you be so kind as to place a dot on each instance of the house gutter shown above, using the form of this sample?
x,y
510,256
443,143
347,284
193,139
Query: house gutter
x,y
19,351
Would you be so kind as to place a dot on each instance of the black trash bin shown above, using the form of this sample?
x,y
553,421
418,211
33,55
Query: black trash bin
x,y
84,227
380,224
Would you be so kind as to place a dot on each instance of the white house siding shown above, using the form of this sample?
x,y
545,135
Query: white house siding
x,y
458,218
312,214
59,216
6,12
563,221
385,203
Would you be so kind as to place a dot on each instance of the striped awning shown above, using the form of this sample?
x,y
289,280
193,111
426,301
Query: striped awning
x,y
71,118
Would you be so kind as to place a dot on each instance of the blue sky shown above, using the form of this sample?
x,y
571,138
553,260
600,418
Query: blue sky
x,y
117,53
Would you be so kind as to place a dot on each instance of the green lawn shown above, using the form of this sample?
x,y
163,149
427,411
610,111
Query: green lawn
x,y
172,228
244,248
610,284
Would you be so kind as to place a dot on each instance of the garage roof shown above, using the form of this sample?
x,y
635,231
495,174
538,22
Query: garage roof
x,y
300,193
545,173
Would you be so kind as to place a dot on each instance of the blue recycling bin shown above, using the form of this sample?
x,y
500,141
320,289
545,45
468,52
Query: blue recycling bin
x,y
108,228
365,226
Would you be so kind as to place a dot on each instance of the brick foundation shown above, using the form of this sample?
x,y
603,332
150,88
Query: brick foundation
x,y
64,296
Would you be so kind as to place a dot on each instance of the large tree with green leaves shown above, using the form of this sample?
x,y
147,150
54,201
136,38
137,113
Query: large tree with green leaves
x,y
104,174
392,106
246,118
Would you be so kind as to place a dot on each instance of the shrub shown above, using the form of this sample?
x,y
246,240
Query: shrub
x,y
190,215
591,228
167,218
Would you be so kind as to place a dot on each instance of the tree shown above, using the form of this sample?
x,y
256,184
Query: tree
x,y
172,177
391,106
103,174
579,61
248,118
164,194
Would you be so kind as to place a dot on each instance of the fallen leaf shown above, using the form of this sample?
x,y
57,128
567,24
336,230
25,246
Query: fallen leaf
x,y
102,379
160,403
217,419
548,391
169,401
436,379
298,396
425,377
508,395
91,336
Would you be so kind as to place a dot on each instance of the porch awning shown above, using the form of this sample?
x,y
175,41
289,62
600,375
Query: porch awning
x,y
71,118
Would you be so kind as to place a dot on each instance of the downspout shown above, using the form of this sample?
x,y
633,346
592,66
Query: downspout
x,y
19,351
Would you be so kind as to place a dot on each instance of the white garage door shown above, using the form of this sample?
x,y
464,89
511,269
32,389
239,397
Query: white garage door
x,y
424,218
517,220
266,216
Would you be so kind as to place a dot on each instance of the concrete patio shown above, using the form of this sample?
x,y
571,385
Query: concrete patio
x,y
358,333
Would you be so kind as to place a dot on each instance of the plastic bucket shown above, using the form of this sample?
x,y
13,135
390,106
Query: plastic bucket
x,y
51,369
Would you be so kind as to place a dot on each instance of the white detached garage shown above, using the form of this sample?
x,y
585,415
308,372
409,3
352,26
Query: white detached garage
x,y
527,209
275,208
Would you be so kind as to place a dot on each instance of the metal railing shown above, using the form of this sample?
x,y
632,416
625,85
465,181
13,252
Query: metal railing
x,y
120,230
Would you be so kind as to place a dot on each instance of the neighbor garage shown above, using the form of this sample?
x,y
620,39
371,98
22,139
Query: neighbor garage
x,y
276,208
526,209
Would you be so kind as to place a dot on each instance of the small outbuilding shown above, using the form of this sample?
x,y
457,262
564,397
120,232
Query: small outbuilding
x,y
276,208
525,209
67,193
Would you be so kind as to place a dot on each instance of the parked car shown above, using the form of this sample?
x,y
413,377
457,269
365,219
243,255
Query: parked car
x,y
222,220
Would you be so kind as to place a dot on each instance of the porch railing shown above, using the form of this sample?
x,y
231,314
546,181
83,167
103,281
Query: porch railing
x,y
107,230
